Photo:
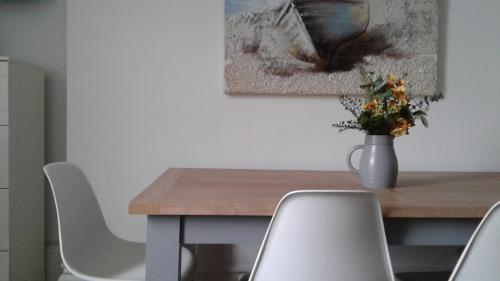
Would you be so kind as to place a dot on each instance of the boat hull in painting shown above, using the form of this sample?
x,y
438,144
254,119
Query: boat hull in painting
x,y
331,23
315,29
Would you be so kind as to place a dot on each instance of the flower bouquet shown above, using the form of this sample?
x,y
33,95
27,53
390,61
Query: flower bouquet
x,y
387,111
387,108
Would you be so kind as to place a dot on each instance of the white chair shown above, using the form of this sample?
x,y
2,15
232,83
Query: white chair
x,y
325,236
88,248
480,259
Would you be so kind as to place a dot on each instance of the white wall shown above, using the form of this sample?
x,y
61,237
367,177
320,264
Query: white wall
x,y
145,92
34,32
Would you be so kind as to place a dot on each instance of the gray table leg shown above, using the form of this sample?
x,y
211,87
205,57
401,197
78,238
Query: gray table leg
x,y
163,248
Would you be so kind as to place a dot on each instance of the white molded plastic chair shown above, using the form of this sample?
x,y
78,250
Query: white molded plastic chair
x,y
88,248
325,236
480,259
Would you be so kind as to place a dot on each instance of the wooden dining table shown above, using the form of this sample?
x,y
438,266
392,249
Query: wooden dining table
x,y
224,206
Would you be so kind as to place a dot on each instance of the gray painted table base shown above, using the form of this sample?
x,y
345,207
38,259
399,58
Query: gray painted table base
x,y
166,234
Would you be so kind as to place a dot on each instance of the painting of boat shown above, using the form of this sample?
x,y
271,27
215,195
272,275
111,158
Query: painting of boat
x,y
312,47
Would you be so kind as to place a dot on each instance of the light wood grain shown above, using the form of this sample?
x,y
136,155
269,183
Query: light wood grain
x,y
217,192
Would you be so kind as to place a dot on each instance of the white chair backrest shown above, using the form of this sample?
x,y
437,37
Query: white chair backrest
x,y
325,236
480,259
82,230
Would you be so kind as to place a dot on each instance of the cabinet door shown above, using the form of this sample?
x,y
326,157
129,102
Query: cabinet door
x,y
4,68
4,266
4,220
4,157
4,99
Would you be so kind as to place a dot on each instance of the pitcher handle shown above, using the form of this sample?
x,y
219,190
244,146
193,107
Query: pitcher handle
x,y
349,160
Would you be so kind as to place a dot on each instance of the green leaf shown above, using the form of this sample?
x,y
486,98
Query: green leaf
x,y
378,84
408,115
419,113
424,121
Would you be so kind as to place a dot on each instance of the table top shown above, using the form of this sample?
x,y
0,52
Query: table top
x,y
223,192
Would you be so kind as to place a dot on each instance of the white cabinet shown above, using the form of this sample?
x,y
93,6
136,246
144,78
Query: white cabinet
x,y
4,220
4,265
4,95
21,175
4,157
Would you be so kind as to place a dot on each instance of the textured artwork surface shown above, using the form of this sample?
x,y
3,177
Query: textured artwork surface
x,y
312,47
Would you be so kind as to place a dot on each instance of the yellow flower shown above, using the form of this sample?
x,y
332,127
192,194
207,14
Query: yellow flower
x,y
391,78
400,127
403,101
400,94
397,89
393,108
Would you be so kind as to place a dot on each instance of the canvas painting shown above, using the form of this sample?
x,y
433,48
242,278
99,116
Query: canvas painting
x,y
313,47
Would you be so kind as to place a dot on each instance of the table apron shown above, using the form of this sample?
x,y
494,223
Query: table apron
x,y
251,230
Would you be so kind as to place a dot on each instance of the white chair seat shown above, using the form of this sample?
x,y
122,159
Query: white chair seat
x,y
121,260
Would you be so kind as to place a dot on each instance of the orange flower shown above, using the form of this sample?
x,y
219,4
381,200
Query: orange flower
x,y
400,127
371,105
399,89
398,95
